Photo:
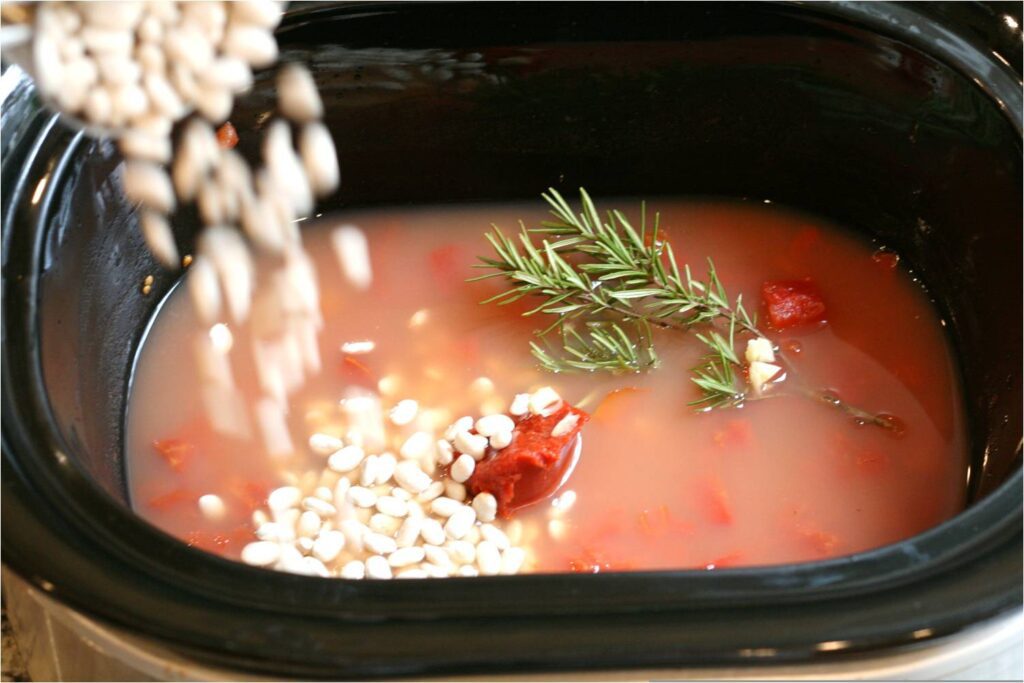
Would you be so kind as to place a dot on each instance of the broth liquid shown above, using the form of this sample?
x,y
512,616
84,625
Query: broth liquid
x,y
658,486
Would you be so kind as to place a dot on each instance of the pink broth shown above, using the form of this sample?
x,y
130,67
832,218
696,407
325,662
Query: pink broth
x,y
657,486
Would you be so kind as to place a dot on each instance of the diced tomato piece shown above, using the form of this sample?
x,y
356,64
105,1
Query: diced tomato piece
x,y
448,264
175,451
737,434
227,136
531,467
590,561
822,543
714,502
615,402
172,499
792,302
250,494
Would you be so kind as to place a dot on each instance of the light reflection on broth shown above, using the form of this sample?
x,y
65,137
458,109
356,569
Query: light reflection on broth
x,y
657,486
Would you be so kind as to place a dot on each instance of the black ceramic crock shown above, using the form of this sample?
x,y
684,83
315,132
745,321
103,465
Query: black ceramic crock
x,y
902,122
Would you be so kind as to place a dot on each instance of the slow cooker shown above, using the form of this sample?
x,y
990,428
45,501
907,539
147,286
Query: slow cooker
x,y
901,121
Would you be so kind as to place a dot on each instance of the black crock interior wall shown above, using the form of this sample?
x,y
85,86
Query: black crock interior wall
x,y
434,103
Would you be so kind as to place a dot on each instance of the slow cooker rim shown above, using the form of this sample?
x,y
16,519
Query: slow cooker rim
x,y
45,470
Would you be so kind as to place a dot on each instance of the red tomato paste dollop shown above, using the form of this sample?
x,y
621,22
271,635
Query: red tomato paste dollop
x,y
791,303
530,468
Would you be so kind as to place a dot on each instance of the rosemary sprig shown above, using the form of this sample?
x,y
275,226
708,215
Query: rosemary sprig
x,y
618,280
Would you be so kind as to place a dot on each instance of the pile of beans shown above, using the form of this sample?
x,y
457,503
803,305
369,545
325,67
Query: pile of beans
x,y
137,71
390,501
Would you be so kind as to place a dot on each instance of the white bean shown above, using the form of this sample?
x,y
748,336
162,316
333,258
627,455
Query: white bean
x,y
404,412
98,106
544,401
417,447
462,552
379,543
186,45
435,489
291,560
385,524
328,545
346,459
309,524
104,41
139,144
148,184
412,574
512,560
462,468
284,498
390,505
158,236
473,444
468,570
488,558
285,168
212,506
361,497
353,253
486,506
494,424
208,17
116,15
410,477
432,532
353,570
459,524
355,531
265,13
228,73
444,506
320,506
310,566
409,532
276,532
501,440
438,556
319,158
403,557
368,475
152,59
463,424
202,286
454,490
128,101
386,464
151,30
520,405
49,70
213,102
297,95
495,535
114,69
445,452
252,44
565,425
324,444
261,553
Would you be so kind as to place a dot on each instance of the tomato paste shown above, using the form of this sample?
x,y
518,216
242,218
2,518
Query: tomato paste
x,y
530,468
